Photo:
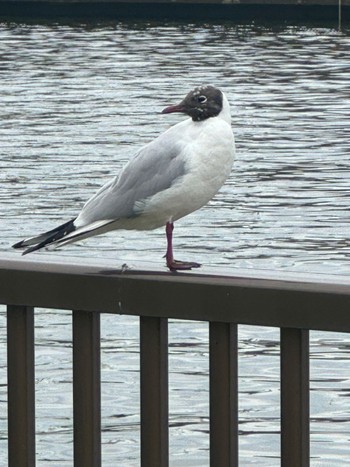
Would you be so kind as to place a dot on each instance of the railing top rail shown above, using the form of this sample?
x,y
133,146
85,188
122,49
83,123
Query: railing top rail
x,y
241,296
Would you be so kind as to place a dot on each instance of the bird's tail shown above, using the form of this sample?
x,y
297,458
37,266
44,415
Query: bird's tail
x,y
44,239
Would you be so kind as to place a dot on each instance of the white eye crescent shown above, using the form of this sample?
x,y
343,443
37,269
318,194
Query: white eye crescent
x,y
202,99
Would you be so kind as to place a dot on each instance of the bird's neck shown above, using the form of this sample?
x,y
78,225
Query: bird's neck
x,y
225,113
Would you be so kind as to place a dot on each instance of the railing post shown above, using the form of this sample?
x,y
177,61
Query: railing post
x,y
154,392
86,389
21,386
223,394
295,418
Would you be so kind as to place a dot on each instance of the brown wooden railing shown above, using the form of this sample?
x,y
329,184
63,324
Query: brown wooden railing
x,y
292,303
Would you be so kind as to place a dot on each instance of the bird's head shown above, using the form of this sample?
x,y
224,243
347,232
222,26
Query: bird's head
x,y
201,103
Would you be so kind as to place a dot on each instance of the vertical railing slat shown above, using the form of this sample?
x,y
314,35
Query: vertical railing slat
x,y
295,418
223,394
21,386
154,392
86,389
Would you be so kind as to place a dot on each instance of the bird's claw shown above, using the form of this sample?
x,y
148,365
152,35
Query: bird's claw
x,y
182,265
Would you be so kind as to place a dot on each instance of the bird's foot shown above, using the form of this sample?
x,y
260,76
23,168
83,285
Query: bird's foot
x,y
182,265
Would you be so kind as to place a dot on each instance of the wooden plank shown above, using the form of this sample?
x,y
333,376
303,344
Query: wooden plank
x,y
21,386
154,392
86,389
274,299
223,395
295,393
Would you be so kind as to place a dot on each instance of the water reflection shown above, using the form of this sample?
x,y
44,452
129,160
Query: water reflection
x,y
77,101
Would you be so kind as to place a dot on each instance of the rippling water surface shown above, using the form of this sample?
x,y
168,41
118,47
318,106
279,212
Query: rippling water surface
x,y
76,101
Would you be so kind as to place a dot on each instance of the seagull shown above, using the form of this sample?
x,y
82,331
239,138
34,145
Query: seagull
x,y
167,179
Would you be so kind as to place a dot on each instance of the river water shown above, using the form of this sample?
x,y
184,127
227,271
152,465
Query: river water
x,y
76,102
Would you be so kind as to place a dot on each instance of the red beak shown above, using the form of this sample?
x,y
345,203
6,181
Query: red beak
x,y
173,108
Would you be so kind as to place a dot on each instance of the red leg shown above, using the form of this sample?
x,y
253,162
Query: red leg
x,y
172,264
169,237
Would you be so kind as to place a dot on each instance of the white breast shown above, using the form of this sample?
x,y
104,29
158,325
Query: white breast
x,y
207,147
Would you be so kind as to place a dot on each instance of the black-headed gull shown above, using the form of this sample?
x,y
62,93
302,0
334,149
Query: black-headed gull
x,y
172,176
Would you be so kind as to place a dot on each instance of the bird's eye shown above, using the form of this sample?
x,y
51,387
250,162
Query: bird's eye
x,y
202,99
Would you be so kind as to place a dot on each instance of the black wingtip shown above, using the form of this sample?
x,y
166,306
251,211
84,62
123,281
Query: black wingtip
x,y
46,238
21,244
31,249
18,244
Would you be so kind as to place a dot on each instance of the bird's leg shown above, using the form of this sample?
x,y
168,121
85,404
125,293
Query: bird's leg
x,y
172,264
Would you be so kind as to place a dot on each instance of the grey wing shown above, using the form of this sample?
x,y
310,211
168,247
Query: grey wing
x,y
153,169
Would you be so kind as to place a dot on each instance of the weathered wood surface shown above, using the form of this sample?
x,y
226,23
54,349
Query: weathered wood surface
x,y
278,299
